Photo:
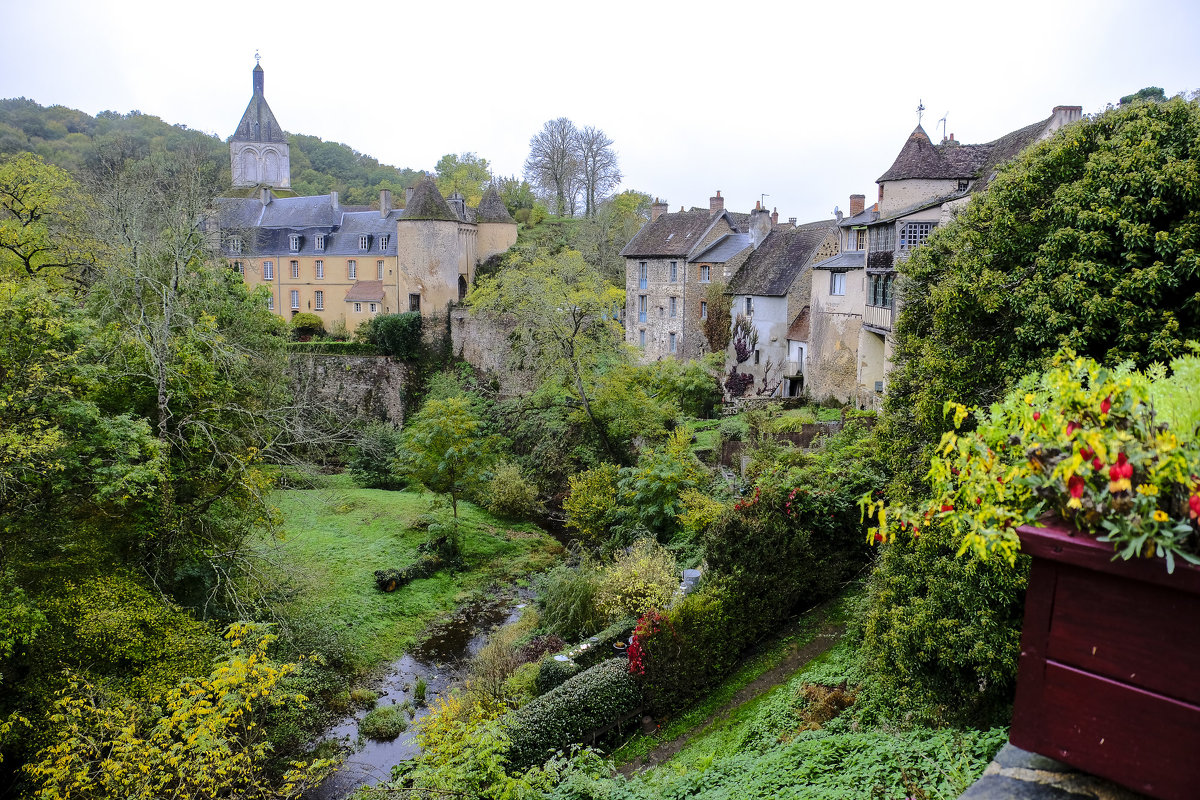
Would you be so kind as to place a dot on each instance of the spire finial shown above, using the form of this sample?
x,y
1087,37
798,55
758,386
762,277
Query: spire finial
x,y
920,110
256,57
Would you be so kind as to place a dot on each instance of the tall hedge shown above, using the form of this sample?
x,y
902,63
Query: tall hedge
x,y
565,715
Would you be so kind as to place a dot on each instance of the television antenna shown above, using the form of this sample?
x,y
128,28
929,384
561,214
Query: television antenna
x,y
920,110
942,122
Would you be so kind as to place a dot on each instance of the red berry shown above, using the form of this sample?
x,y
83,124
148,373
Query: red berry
x,y
1037,415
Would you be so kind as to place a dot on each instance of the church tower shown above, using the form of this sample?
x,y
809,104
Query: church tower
x,y
258,152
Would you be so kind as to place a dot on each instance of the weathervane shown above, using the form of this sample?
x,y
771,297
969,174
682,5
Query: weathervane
x,y
942,122
256,57
920,110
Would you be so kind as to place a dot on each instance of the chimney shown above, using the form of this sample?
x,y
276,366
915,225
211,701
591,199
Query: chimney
x,y
760,225
774,217
857,203
1064,115
265,195
716,203
792,221
408,191
657,209
385,202
333,200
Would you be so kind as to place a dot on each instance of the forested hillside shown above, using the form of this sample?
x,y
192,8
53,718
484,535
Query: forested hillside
x,y
69,138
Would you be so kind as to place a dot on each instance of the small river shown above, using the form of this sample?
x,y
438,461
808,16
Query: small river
x,y
440,660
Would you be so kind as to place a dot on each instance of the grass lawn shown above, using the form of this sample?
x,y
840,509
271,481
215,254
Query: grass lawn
x,y
335,537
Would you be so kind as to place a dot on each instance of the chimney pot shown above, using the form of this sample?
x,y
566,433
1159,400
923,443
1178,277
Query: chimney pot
x,y
775,217
857,203
791,220
716,203
385,202
657,209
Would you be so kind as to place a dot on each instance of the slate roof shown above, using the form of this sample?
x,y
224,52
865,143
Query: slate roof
x,y
427,203
799,329
920,158
258,123
670,235
365,292
864,217
845,260
773,266
492,209
266,230
723,249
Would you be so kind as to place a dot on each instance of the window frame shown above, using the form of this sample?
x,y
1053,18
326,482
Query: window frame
x,y
643,275
673,304
749,306
705,273
319,242
672,342
703,309
379,270
318,300
358,308
294,266
294,242
268,270
642,307
918,231
352,269
235,244
414,302
837,284
319,267
673,272
364,242
384,240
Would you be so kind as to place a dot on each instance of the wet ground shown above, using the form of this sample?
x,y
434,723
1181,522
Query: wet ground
x,y
440,660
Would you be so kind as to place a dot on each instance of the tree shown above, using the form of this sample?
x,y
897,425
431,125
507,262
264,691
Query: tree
x,y
567,323
597,166
718,325
1151,93
553,163
445,449
516,193
466,174
43,216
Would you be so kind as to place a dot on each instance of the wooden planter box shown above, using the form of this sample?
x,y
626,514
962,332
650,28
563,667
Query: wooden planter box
x,y
1109,675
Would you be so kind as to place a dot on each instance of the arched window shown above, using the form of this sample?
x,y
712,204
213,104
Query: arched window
x,y
462,287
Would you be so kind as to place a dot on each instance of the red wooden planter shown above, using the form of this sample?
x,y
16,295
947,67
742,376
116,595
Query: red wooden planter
x,y
1109,676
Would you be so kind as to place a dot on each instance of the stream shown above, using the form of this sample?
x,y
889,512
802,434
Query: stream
x,y
440,660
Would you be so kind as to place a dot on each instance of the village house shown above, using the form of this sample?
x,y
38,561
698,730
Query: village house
x,y
852,317
772,291
346,264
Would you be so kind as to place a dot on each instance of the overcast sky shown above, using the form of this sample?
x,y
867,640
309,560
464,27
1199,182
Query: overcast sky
x,y
806,103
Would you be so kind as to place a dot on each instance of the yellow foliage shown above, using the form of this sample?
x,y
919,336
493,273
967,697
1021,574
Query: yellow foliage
x,y
636,582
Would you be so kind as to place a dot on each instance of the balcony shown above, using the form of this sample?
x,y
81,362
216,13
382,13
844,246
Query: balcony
x,y
878,317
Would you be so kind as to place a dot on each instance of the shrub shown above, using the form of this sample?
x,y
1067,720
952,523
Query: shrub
x,y
307,325
552,673
389,580
567,601
372,456
396,335
566,715
364,698
419,690
645,578
602,647
649,494
521,686
589,505
510,495
334,348
384,723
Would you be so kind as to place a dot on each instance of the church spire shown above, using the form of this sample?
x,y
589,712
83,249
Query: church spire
x,y
258,151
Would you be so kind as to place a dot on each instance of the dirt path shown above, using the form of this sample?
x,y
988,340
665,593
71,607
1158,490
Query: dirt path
x,y
797,656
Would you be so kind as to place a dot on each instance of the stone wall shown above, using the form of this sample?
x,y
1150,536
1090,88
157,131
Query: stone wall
x,y
368,387
484,344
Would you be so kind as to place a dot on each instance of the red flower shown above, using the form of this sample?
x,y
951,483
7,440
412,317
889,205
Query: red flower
x,y
1037,415
1122,458
1106,405
1086,453
978,501
946,508
1076,486
1072,427
1194,506
878,538
1097,464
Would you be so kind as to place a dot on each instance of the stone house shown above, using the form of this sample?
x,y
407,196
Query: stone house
x,y
772,290
665,287
348,263
923,188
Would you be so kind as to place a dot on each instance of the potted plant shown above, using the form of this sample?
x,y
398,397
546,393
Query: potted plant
x,y
1094,473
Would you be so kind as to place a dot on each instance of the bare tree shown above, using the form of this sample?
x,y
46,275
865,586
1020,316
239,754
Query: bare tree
x,y
597,166
553,165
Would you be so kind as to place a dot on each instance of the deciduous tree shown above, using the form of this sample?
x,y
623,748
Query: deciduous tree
x,y
553,163
597,166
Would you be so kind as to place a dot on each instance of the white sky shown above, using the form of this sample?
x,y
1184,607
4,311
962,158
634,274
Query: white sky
x,y
805,102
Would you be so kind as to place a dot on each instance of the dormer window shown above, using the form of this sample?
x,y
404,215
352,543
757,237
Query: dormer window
x,y
383,241
963,183
294,242
364,242
319,241
235,244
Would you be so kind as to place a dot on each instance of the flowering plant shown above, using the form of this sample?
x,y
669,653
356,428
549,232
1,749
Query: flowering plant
x,y
1081,440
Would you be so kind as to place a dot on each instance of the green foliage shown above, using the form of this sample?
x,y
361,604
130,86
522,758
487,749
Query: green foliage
x,y
1086,241
396,335
567,601
202,738
592,498
306,324
552,673
384,723
364,698
43,223
644,578
334,348
1173,396
419,689
509,494
466,174
372,456
565,715
718,326
1151,93
20,620
444,450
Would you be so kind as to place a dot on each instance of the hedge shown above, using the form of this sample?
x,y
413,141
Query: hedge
x,y
566,715
552,674
332,348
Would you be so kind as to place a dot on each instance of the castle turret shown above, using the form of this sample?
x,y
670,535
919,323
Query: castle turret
x,y
258,152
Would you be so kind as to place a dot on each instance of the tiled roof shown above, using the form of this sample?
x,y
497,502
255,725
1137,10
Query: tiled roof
x,y
1007,147
258,123
921,158
365,292
427,203
799,329
492,209
773,266
847,259
669,235
724,248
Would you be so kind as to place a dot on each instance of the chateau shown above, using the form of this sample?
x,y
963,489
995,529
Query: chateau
x,y
347,263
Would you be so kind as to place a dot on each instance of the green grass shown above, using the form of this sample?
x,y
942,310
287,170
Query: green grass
x,y
335,536
385,723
